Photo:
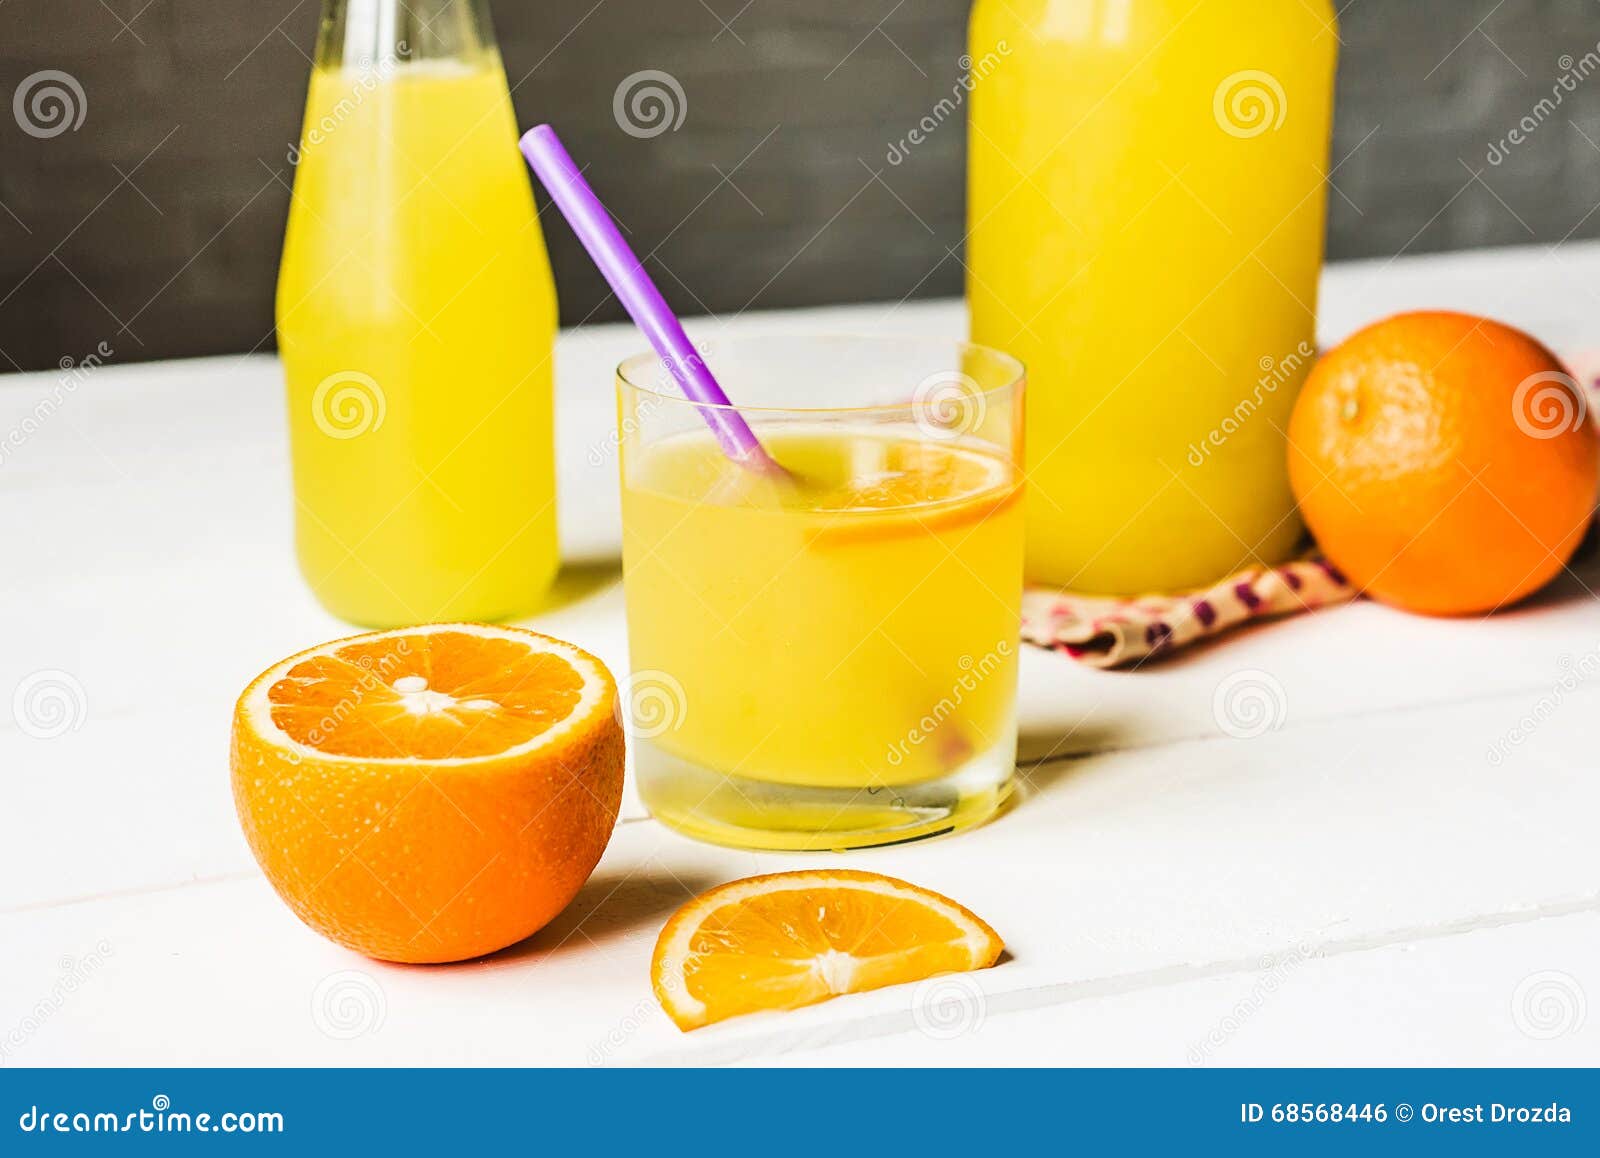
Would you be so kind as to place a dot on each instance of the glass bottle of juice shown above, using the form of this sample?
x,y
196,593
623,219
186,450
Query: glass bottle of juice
x,y
1147,207
416,321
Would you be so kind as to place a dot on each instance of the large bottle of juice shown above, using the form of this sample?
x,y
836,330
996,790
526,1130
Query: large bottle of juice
x,y
416,321
1147,206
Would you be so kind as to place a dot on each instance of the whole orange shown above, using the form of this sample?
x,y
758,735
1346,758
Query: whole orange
x,y
433,793
1446,463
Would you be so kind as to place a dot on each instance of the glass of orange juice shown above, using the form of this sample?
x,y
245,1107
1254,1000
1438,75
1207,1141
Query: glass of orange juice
x,y
827,660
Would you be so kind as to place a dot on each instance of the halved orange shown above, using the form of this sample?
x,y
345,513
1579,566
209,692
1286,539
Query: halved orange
x,y
432,793
793,939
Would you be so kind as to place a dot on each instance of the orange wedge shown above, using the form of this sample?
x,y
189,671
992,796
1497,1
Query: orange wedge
x,y
918,489
433,793
793,939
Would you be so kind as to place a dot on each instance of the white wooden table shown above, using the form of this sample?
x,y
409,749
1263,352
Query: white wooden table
x,y
1363,884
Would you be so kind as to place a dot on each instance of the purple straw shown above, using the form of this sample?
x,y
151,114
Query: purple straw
x,y
632,285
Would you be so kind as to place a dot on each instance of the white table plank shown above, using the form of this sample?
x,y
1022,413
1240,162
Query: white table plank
x,y
1508,996
149,514
1123,873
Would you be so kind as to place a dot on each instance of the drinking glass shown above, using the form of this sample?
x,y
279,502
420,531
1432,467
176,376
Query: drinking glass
x,y
827,660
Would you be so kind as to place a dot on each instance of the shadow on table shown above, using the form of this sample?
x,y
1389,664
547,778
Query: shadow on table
x,y
1094,734
577,582
1046,759
1578,580
612,905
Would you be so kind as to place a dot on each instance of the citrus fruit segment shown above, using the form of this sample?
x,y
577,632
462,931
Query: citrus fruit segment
x,y
432,793
451,694
915,489
792,939
892,475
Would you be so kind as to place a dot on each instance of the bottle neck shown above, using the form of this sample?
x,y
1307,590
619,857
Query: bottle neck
x,y
366,34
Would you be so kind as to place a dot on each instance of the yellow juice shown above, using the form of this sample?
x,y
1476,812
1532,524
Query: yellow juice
x,y
855,631
1147,209
416,321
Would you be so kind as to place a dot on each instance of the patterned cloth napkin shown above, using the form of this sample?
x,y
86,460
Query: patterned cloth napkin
x,y
1107,632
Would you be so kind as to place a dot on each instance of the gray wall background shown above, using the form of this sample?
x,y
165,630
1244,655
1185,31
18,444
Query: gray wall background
x,y
154,227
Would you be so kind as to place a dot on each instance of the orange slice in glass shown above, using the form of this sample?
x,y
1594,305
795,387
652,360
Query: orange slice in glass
x,y
794,939
915,489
